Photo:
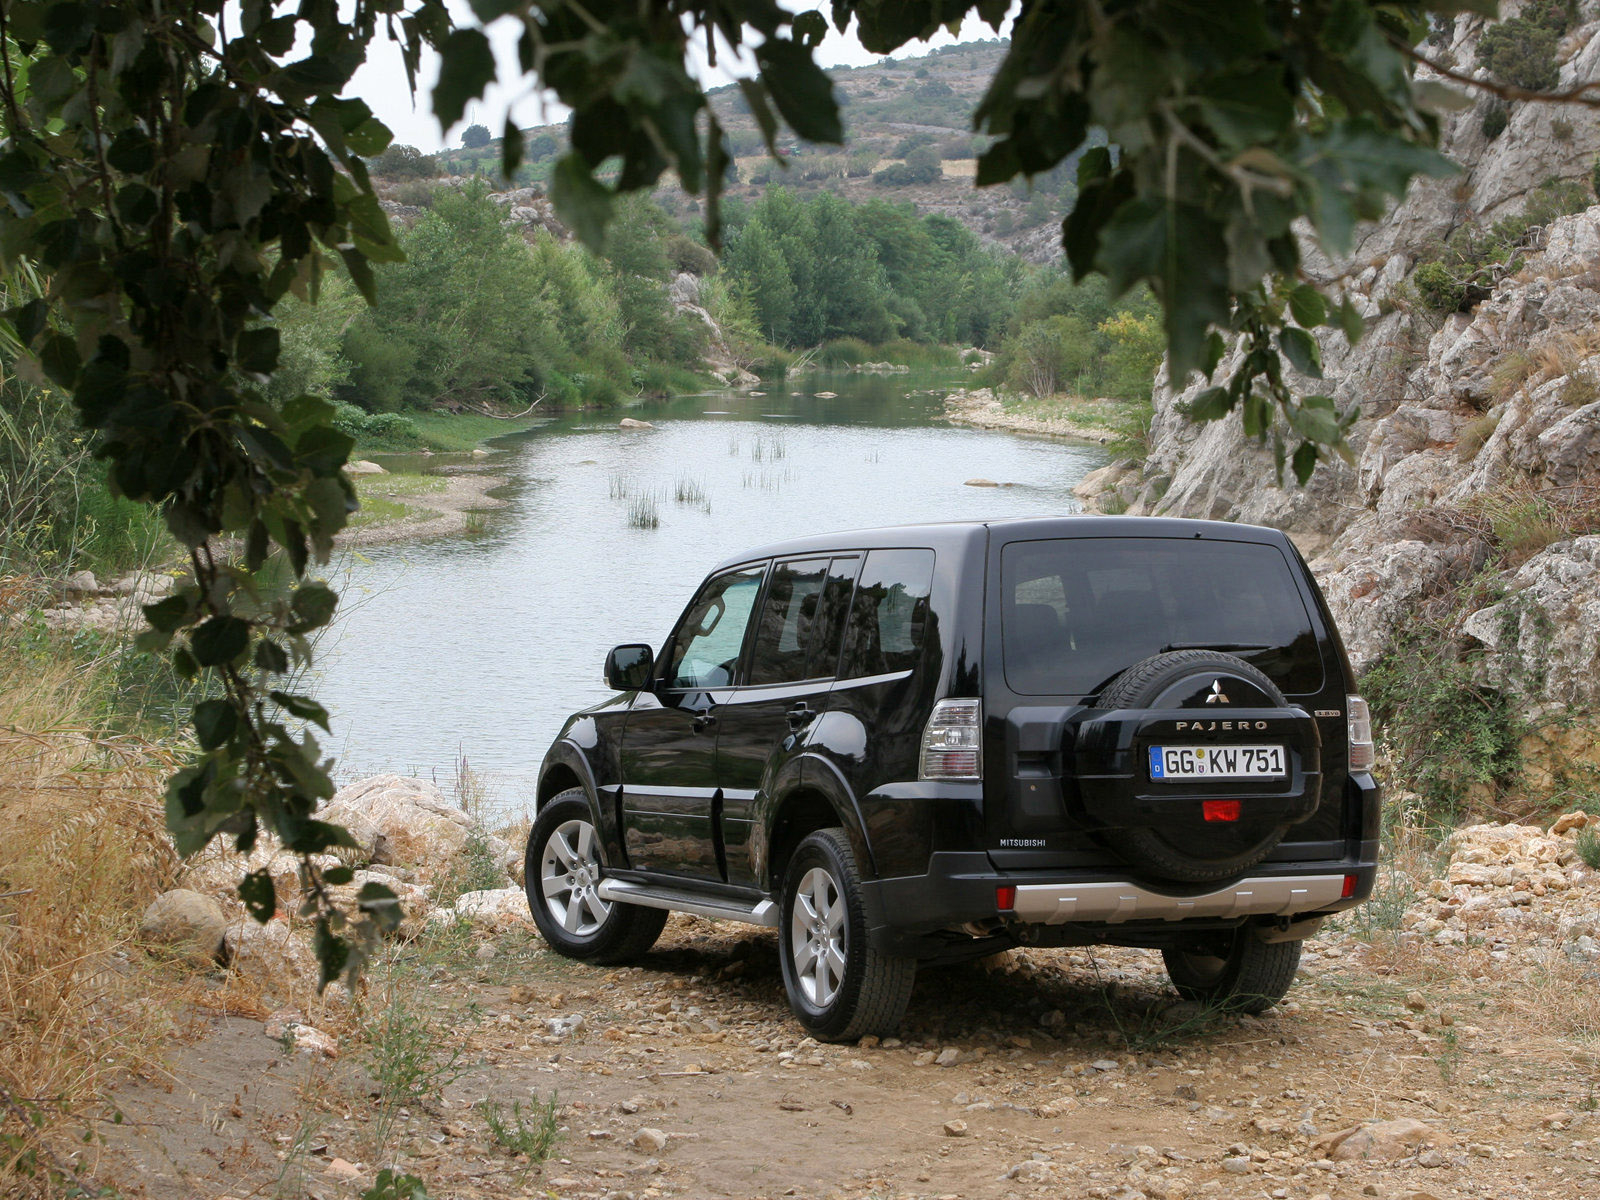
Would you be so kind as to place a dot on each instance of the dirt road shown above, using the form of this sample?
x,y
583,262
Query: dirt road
x,y
1048,1073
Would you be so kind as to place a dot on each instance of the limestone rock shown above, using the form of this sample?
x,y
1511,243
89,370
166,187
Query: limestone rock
x,y
186,922
496,910
276,956
363,466
632,423
402,822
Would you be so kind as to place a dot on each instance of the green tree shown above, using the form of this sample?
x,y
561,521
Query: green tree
x,y
475,137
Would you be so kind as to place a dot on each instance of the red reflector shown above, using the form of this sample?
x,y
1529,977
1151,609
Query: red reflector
x,y
1349,887
1005,898
1220,810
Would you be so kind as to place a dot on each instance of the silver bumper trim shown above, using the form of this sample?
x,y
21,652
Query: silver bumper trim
x,y
1114,903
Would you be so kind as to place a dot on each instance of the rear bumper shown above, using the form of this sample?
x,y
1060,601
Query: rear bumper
x,y
907,915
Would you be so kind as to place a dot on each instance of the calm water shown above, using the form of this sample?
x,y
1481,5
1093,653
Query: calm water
x,y
480,646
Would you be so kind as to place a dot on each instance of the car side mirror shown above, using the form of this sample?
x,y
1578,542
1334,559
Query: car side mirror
x,y
628,667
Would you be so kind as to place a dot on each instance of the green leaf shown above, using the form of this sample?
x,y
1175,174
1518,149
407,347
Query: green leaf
x,y
801,90
313,605
303,707
215,721
581,200
338,876
1302,351
1211,405
271,657
220,640
168,614
257,351
1351,321
1305,462
259,896
466,67
1307,306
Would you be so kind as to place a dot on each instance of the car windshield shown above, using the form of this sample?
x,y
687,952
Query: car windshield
x,y
1075,612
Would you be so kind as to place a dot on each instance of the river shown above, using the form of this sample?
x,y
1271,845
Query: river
x,y
478,647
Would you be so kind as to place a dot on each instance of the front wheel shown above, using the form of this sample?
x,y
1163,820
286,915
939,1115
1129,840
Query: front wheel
x,y
562,872
839,987
1244,975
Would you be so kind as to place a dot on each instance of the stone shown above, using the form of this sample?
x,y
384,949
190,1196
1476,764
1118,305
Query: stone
x,y
948,1057
341,1168
1238,1164
187,923
981,483
1379,1141
275,955
1570,821
633,423
1416,1002
955,1129
1031,1171
363,466
80,583
289,1027
650,1141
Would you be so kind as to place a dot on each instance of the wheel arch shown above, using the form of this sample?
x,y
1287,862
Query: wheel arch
x,y
803,810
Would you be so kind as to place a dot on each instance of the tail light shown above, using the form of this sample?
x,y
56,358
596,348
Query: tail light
x,y
952,745
1362,755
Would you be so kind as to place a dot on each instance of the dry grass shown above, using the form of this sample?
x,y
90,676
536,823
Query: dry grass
x,y
84,852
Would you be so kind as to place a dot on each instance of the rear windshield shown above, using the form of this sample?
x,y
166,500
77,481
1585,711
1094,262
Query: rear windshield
x,y
1076,611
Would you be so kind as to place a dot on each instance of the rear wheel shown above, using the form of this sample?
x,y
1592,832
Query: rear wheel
x,y
1244,975
839,987
562,872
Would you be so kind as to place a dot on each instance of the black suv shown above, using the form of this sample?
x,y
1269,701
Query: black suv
x,y
933,742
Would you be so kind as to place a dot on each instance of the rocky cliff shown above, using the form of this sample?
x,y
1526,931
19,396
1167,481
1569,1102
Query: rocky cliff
x,y
1475,488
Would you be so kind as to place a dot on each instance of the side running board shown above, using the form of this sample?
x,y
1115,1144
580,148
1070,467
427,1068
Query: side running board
x,y
718,908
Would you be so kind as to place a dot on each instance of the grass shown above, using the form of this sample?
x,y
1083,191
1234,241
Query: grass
x,y
453,433
1587,843
531,1132
85,851
408,1055
644,513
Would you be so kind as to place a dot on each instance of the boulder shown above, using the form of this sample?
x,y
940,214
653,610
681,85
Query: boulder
x,y
186,922
403,822
414,900
80,583
631,423
363,466
1379,1141
981,483
494,911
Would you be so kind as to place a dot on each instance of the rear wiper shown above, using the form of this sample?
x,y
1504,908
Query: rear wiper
x,y
1215,646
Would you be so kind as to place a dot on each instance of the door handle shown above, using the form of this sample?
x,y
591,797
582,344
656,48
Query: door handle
x,y
800,716
703,721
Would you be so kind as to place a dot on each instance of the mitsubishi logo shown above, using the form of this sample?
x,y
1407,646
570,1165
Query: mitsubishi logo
x,y
1217,696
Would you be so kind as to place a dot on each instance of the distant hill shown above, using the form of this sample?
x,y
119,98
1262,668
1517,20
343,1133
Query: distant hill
x,y
910,139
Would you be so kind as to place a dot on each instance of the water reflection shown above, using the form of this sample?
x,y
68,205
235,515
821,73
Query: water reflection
x,y
481,646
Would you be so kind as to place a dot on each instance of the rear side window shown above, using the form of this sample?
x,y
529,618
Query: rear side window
x,y
1076,611
802,620
889,613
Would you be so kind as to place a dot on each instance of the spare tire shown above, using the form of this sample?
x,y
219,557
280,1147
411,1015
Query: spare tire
x,y
1181,852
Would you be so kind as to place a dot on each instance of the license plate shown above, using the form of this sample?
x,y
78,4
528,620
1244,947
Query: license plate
x,y
1217,762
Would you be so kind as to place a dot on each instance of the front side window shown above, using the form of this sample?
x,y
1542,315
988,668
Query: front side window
x,y
1075,612
889,613
705,650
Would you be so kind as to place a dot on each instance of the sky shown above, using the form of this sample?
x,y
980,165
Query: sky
x,y
382,81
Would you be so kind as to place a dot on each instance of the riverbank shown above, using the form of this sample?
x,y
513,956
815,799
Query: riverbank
x,y
1104,422
402,506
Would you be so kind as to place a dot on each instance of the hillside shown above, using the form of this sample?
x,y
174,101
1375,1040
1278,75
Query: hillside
x,y
1458,551
910,117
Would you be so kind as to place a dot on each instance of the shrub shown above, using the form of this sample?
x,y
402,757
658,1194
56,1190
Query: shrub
x,y
1473,435
1439,289
1496,115
1561,130
844,352
404,162
686,254
1521,52
1587,844
417,193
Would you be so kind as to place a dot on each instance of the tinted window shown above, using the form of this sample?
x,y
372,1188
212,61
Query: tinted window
x,y
705,650
888,614
788,618
1076,611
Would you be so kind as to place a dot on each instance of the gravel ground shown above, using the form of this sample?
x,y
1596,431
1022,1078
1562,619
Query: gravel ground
x,y
1041,1073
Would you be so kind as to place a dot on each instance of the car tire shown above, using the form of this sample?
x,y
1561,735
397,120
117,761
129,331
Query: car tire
x,y
563,864
1250,977
839,987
